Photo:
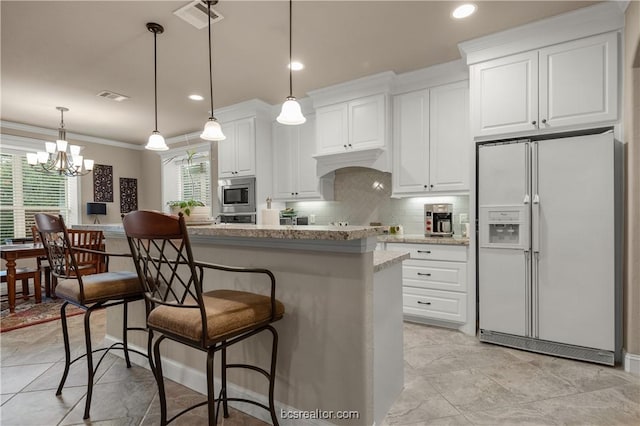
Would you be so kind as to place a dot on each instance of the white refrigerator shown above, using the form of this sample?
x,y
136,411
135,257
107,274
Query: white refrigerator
x,y
549,246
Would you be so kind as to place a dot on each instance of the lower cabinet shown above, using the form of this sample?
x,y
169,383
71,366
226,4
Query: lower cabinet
x,y
434,282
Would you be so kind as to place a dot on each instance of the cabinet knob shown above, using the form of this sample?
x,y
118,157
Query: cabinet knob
x,y
426,186
345,146
423,303
349,145
534,122
544,121
296,193
431,186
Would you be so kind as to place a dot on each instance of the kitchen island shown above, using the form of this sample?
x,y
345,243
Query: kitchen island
x,y
340,348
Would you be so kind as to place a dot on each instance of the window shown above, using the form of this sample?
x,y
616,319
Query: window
x,y
186,174
24,191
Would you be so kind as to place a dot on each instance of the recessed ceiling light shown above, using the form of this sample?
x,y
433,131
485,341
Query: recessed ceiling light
x,y
464,10
196,97
296,66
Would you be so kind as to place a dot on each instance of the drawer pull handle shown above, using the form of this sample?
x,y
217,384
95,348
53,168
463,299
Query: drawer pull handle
x,y
423,303
423,274
424,251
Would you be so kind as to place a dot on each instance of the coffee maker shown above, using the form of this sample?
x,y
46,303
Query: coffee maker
x,y
438,220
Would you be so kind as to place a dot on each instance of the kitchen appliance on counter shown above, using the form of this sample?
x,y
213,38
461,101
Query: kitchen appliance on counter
x,y
238,218
237,195
438,220
549,281
294,220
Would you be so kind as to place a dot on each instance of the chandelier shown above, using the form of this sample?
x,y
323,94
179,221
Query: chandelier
x,y
56,160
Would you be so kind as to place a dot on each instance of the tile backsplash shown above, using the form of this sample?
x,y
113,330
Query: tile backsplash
x,y
363,195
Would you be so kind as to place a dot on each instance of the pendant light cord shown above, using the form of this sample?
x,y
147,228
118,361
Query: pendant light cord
x,y
290,50
210,66
155,78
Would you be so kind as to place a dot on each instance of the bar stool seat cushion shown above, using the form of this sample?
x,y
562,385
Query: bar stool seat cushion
x,y
229,312
100,287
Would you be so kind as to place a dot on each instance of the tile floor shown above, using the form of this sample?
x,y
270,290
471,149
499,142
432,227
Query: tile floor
x,y
450,379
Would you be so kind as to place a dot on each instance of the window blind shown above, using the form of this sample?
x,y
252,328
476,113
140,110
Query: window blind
x,y
195,181
25,191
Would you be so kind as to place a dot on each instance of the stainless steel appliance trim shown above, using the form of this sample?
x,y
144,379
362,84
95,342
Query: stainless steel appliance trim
x,y
235,183
550,348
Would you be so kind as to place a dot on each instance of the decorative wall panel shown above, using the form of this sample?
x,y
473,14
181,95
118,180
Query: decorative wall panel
x,y
102,183
128,195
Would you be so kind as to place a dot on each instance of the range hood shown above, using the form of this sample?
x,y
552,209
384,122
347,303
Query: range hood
x,y
373,158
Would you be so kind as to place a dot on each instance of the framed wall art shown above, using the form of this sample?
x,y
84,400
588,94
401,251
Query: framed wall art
x,y
128,195
102,183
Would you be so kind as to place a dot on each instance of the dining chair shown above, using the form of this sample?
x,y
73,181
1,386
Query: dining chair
x,y
42,264
180,309
89,292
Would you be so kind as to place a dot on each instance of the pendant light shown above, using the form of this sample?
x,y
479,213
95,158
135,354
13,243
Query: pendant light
x,y
212,130
156,140
291,112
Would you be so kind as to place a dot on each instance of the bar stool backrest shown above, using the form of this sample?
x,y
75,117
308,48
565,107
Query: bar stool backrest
x,y
163,258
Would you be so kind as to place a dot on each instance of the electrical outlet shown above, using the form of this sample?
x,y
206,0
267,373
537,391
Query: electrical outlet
x,y
464,218
312,219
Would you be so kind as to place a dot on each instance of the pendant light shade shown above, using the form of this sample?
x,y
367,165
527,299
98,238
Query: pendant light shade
x,y
291,113
212,130
156,141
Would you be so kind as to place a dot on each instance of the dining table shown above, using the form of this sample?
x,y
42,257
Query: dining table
x,y
12,252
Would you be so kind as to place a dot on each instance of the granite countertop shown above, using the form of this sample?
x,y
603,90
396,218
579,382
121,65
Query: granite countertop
x,y
421,239
286,232
383,259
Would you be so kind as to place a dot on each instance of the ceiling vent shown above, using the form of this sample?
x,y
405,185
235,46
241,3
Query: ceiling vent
x,y
112,95
195,13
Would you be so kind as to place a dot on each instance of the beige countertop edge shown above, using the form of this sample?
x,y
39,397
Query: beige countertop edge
x,y
421,239
286,232
383,259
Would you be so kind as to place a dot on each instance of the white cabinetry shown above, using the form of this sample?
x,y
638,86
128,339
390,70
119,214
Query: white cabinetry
x,y
431,140
434,282
566,85
355,125
294,168
237,153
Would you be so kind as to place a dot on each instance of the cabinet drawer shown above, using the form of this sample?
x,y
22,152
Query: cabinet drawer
x,y
432,251
442,305
435,275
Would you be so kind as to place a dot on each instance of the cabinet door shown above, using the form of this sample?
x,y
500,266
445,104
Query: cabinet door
x,y
331,129
307,178
578,82
227,152
449,137
245,147
367,122
411,142
504,95
283,160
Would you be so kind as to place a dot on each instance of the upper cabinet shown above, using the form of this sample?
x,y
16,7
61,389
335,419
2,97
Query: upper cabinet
x,y
237,153
355,125
294,168
431,140
564,86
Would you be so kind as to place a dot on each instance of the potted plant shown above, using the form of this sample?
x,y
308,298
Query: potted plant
x,y
193,210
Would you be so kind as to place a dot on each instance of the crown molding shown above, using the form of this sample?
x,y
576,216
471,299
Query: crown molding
x,y
435,75
600,18
73,136
342,92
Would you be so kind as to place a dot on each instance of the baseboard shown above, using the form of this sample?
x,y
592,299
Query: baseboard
x,y
196,380
632,363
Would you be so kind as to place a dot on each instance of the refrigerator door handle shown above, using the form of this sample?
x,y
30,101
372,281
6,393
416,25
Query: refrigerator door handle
x,y
527,293
535,210
535,302
527,173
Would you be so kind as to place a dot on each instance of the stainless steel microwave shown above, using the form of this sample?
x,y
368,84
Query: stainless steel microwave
x,y
237,195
